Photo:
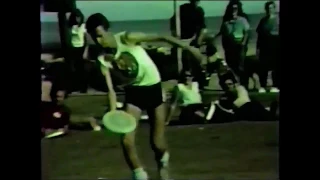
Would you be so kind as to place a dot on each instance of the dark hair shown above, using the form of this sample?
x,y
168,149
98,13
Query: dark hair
x,y
229,9
73,17
268,4
96,20
223,78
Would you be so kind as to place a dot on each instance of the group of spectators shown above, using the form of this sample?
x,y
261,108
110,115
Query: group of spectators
x,y
63,74
235,35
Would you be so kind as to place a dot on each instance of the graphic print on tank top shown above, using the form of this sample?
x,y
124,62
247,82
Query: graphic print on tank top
x,y
127,66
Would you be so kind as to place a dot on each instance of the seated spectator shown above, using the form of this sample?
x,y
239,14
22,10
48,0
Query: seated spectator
x,y
236,101
54,116
187,95
193,111
234,105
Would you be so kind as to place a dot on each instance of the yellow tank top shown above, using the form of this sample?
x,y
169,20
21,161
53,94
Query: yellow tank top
x,y
146,72
189,96
78,36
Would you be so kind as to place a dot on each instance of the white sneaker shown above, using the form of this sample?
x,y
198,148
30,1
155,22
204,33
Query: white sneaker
x,y
144,117
140,175
164,167
262,90
274,90
97,128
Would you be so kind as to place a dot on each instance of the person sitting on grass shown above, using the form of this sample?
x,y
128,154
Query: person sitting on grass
x,y
193,111
187,95
236,102
54,116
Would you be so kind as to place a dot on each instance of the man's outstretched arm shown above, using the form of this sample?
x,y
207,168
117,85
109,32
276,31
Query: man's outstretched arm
x,y
137,37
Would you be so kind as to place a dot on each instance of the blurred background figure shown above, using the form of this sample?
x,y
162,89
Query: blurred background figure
x,y
234,35
236,101
54,116
268,48
192,22
193,31
77,52
187,96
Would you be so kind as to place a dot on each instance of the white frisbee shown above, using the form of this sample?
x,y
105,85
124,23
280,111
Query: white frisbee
x,y
55,134
119,122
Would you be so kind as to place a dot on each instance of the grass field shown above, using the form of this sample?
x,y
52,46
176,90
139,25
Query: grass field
x,y
227,151
232,151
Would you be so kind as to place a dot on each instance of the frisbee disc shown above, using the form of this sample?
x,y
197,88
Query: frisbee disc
x,y
119,122
55,134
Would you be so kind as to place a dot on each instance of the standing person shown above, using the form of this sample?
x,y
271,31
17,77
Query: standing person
x,y
226,17
192,22
77,51
144,92
235,34
193,32
268,47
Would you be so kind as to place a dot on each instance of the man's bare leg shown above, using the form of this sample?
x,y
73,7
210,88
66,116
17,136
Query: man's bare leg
x,y
129,148
94,124
158,141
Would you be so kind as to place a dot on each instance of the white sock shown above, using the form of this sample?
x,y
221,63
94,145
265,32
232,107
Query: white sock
x,y
140,174
165,159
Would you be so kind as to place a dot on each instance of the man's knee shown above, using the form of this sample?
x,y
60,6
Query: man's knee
x,y
128,140
158,142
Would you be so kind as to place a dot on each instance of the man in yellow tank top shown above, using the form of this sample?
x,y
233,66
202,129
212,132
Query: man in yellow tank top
x,y
144,91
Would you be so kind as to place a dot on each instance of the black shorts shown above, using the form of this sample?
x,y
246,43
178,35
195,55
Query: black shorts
x,y
144,97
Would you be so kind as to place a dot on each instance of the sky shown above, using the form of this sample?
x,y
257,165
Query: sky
x,y
148,10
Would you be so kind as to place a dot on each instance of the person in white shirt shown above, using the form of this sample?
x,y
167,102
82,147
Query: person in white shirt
x,y
143,89
77,51
236,101
187,96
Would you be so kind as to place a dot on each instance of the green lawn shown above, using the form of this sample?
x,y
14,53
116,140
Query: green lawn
x,y
233,151
228,151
